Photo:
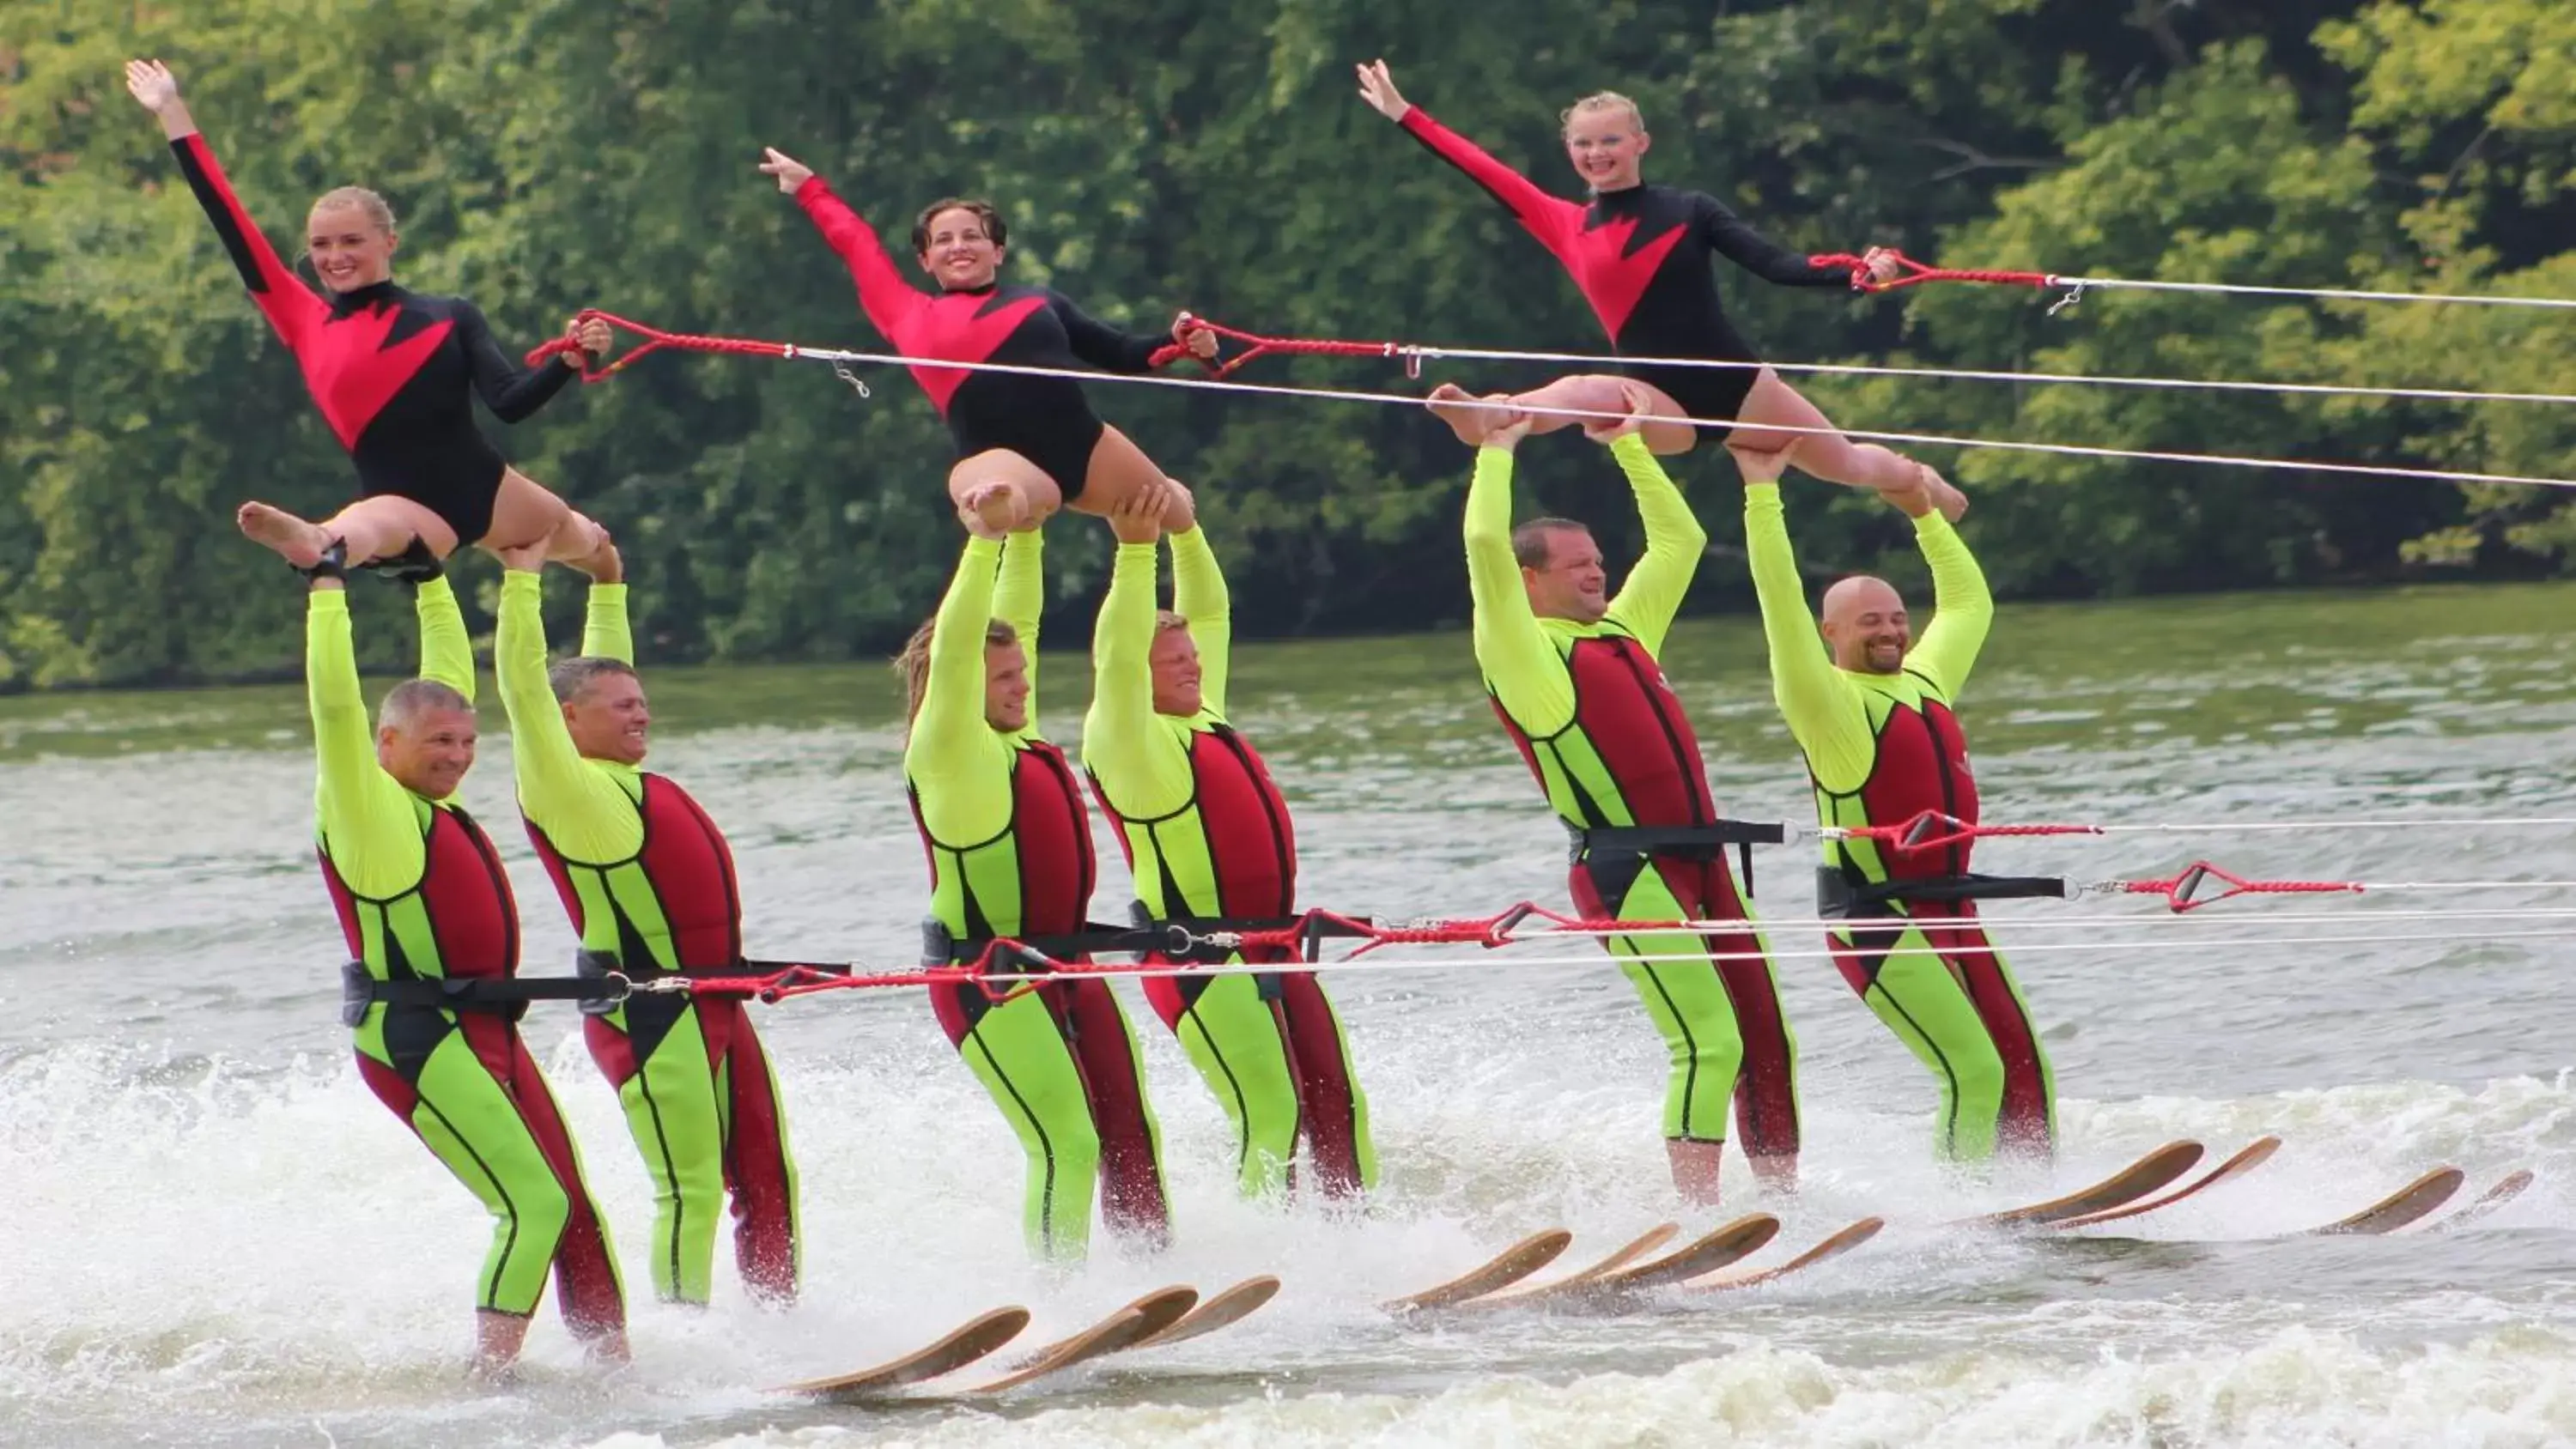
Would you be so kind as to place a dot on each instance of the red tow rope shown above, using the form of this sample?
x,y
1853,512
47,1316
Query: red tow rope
x,y
1917,273
1258,345
655,339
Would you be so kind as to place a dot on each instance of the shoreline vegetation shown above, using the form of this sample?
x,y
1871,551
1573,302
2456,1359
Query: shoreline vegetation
x,y
548,155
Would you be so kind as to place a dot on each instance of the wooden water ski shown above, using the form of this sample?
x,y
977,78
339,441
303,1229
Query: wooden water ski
x,y
2253,1155
952,1351
2506,1189
2407,1204
1123,1328
1119,1330
2155,1170
1834,1245
1720,1247
1581,1278
1224,1310
1502,1270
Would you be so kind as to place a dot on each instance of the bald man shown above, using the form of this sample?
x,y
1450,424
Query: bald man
x,y
1871,711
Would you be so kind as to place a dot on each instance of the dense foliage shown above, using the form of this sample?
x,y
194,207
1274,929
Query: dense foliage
x,y
548,154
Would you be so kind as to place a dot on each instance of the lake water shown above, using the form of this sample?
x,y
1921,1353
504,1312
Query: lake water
x,y
210,1233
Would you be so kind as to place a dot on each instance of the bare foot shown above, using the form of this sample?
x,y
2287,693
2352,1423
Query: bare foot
x,y
1181,512
1776,1174
604,564
1950,501
291,538
992,509
1464,412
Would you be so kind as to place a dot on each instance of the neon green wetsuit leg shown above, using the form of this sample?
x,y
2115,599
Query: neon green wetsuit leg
x,y
1696,1004
1911,986
1018,1051
1231,1035
469,1121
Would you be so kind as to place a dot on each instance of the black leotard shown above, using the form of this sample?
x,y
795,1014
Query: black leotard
x,y
1641,257
390,369
1046,420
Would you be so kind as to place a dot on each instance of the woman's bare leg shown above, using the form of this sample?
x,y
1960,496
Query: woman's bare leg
x,y
525,511
1825,452
1603,397
1597,393
1117,469
371,528
1008,493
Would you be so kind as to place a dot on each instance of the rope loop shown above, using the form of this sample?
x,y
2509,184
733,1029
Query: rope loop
x,y
1915,274
2190,890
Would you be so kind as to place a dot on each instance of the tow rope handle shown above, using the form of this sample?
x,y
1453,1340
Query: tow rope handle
x,y
1912,273
1257,345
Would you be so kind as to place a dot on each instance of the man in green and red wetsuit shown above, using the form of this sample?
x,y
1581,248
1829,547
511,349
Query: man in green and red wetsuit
x,y
1210,843
1871,711
1573,674
1008,842
433,936
649,883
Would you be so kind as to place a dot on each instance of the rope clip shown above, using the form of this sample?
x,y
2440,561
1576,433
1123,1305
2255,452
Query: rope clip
x,y
2074,294
842,371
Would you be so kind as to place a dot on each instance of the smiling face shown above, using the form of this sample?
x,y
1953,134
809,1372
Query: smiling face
x,y
1561,568
1865,626
960,244
1175,662
349,239
608,719
1606,140
428,750
1006,687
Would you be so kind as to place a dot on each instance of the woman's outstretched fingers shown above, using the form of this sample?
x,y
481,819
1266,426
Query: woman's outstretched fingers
x,y
151,84
1378,89
791,173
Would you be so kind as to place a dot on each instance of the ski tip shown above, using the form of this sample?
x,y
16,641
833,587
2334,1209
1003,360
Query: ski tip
x,y
974,1339
2156,1169
1508,1266
1223,1309
1122,1329
1164,1307
2512,1184
2408,1204
1834,1244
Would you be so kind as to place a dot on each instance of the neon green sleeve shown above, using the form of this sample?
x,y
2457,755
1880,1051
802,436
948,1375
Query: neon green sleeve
x,y
1962,609
1199,595
365,815
446,651
1521,666
960,764
1142,767
1675,541
1019,597
575,803
1825,711
605,633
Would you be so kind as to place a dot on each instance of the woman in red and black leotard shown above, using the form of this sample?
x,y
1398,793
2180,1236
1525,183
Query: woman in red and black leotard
x,y
1641,255
391,371
1026,444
